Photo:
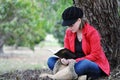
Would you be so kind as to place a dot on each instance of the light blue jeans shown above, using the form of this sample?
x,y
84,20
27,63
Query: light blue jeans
x,y
83,67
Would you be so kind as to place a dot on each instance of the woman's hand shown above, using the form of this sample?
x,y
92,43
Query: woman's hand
x,y
66,61
70,60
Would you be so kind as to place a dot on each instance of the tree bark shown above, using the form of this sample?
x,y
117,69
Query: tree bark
x,y
103,15
1,45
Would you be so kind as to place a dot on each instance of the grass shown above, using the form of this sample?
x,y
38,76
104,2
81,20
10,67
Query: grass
x,y
8,65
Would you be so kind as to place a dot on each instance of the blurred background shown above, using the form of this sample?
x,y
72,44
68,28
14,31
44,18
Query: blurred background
x,y
30,32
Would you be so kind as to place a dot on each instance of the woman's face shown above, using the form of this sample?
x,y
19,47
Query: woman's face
x,y
75,27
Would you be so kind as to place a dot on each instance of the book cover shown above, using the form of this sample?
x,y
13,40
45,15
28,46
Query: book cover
x,y
65,53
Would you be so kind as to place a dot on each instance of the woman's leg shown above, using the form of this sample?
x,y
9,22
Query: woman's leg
x,y
51,62
87,67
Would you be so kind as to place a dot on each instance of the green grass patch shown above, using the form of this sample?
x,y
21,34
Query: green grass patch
x,y
8,65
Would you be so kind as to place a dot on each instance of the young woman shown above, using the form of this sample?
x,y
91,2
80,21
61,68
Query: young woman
x,y
84,40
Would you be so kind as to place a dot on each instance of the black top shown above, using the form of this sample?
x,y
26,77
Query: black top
x,y
78,48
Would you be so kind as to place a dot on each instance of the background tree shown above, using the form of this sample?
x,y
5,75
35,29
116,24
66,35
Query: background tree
x,y
20,23
103,15
26,23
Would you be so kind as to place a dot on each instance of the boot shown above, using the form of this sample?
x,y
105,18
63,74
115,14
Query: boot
x,y
66,73
83,77
58,66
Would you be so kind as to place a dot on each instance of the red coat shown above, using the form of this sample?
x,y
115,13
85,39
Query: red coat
x,y
91,46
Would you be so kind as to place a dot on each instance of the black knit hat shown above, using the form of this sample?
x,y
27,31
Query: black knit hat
x,y
70,15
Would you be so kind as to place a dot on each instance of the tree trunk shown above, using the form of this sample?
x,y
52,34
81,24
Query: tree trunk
x,y
103,15
1,45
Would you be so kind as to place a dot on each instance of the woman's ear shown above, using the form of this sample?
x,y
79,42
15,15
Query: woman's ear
x,y
79,19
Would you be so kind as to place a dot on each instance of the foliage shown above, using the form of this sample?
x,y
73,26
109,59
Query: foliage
x,y
21,22
25,23
51,13
58,30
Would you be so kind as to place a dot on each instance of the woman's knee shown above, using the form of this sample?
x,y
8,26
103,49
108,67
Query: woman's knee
x,y
81,67
51,62
83,63
86,63
87,67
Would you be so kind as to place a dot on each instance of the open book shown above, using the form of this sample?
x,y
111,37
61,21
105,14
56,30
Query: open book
x,y
65,53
